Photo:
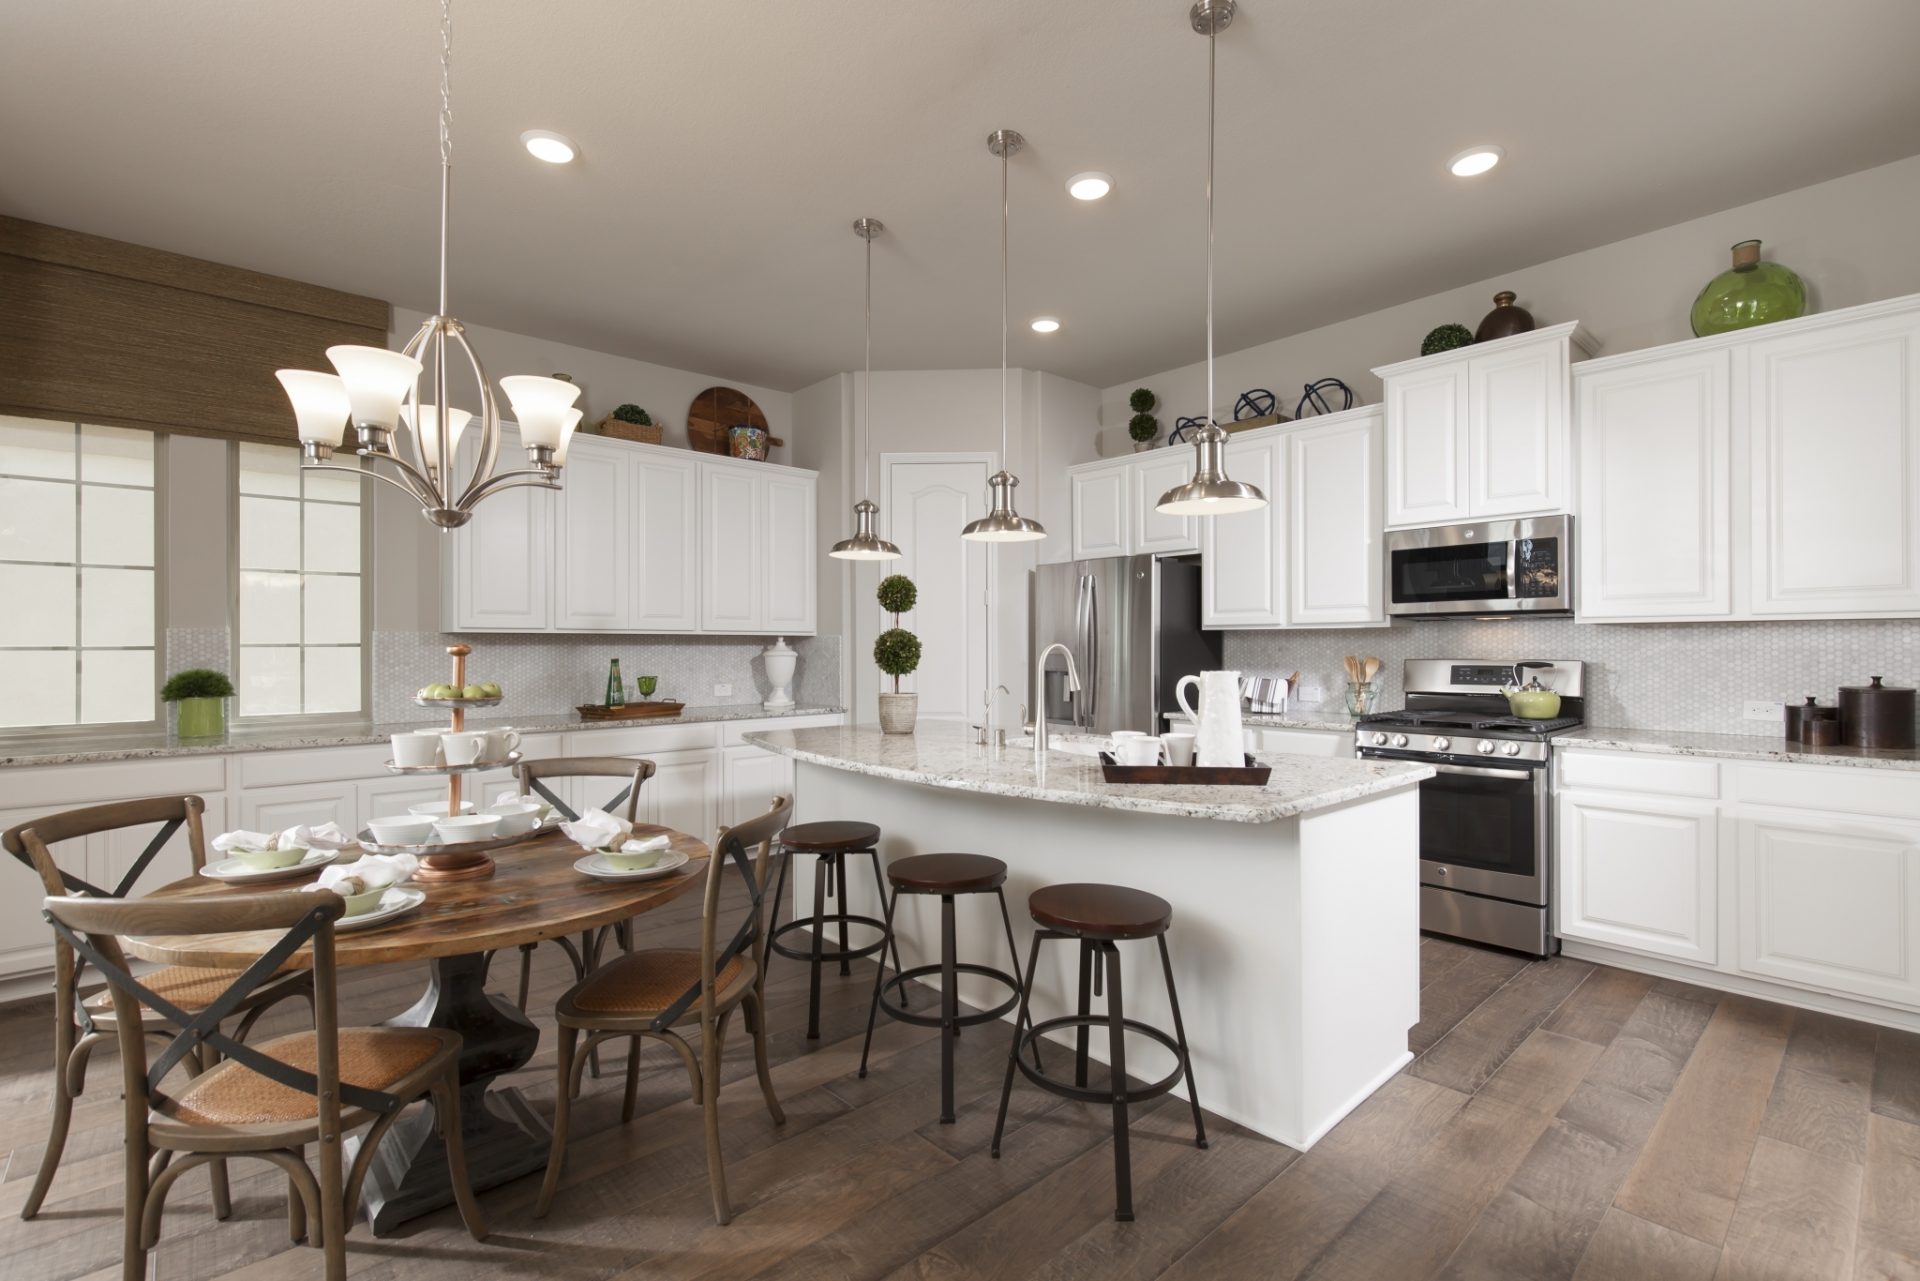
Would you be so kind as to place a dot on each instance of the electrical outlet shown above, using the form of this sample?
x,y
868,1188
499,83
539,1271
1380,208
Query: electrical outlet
x,y
1759,709
726,691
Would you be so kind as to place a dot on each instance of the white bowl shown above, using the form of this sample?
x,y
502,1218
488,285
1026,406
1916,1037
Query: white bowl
x,y
438,809
401,830
517,817
467,827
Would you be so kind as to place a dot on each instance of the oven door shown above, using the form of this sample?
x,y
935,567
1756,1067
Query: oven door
x,y
1493,567
1484,829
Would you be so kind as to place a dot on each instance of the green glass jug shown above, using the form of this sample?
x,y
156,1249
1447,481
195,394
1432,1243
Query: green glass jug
x,y
1749,293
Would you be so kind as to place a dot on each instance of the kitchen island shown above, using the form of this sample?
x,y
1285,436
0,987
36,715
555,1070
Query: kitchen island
x,y
1295,937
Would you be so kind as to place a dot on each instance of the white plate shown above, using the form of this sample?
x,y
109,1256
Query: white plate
x,y
397,901
236,872
595,865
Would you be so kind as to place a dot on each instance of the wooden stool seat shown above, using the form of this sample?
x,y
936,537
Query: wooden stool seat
x,y
947,873
1100,911
833,836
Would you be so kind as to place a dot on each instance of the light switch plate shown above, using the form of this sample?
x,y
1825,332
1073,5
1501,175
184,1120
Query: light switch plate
x,y
1759,709
723,691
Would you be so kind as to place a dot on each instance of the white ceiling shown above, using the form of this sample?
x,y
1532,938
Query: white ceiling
x,y
725,150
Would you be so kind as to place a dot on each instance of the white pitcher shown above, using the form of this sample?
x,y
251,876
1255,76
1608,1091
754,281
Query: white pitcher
x,y
1217,736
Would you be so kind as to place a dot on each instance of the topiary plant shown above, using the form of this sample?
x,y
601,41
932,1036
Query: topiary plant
x,y
1141,400
196,682
896,652
1143,427
1445,338
896,595
634,414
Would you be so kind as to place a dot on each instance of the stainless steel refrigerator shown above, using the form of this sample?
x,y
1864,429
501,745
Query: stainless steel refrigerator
x,y
1133,624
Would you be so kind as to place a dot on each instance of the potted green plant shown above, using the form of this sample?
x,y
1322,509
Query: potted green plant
x,y
1143,426
630,422
896,652
199,696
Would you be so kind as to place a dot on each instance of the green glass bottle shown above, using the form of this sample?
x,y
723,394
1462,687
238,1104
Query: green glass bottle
x,y
1749,293
616,688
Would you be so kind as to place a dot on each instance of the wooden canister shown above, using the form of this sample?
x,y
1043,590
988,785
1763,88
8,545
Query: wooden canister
x,y
1875,716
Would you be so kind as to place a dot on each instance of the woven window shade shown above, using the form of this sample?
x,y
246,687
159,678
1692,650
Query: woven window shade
x,y
100,331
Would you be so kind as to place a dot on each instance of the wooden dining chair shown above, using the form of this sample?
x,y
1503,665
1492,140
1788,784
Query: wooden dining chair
x,y
79,1026
655,992
269,1100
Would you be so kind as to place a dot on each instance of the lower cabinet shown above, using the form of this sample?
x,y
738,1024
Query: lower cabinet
x,y
751,779
1641,873
683,793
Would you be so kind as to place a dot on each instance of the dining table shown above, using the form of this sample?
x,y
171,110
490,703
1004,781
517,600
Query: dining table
x,y
534,894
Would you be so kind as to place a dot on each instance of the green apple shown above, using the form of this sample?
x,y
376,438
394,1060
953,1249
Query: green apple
x,y
490,688
473,691
442,691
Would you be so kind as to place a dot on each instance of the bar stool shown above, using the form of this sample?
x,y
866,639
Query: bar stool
x,y
948,875
1099,916
830,842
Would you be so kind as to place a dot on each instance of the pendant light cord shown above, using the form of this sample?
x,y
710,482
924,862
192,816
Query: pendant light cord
x,y
1004,219
446,135
866,391
1213,35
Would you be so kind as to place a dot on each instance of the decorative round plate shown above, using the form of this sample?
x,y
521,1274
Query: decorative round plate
x,y
397,901
235,872
595,865
438,846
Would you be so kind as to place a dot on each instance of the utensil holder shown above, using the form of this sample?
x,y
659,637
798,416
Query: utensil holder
x,y
1361,696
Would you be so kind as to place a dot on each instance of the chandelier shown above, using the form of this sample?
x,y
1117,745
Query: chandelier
x,y
378,389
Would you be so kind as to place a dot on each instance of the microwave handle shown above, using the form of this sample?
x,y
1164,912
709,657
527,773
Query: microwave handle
x,y
1513,569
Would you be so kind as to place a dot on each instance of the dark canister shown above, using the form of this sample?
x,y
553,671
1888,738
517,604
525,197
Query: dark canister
x,y
1822,731
1505,320
1876,716
1797,715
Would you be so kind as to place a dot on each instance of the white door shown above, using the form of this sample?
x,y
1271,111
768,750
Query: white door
x,y
1517,432
752,777
665,565
731,559
274,809
791,555
1830,902
1100,499
929,500
1153,474
1242,564
1836,469
1427,446
683,792
592,579
498,576
1335,571
1640,873
1655,474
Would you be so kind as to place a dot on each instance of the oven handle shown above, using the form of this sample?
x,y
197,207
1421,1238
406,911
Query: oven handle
x,y
1481,771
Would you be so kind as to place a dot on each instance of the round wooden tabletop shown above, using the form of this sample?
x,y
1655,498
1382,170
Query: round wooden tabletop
x,y
534,894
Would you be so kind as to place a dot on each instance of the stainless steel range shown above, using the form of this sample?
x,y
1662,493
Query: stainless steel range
x,y
1486,819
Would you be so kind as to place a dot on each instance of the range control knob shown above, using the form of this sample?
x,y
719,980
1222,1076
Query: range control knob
x,y
1442,743
1379,740
1511,749
1485,747
1399,740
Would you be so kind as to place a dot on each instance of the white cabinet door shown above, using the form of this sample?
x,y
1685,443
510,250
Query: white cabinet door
x,y
1427,446
1517,431
391,797
1100,500
732,556
26,943
497,571
1640,873
666,526
592,578
1335,574
789,555
1152,474
752,777
1830,902
1296,742
274,809
1243,566
684,791
1655,480
1835,422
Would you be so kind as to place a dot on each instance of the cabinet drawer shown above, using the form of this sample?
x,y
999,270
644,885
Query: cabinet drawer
x,y
273,769
1301,742
49,788
1639,772
1839,789
640,741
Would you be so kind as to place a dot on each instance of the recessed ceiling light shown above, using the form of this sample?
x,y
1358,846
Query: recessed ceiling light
x,y
545,144
1090,185
1045,325
1475,161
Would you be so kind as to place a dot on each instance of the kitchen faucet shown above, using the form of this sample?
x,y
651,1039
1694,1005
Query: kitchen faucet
x,y
1040,693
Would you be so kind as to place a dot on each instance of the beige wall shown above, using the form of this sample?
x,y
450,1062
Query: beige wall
x,y
194,541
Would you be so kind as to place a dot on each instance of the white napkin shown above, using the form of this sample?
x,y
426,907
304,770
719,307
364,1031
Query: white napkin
x,y
647,846
327,836
596,830
376,871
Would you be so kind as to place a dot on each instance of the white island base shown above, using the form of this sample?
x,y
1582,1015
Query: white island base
x,y
1295,942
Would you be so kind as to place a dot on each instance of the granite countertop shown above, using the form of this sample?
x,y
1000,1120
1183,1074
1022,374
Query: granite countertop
x,y
945,756
142,746
1739,747
1327,716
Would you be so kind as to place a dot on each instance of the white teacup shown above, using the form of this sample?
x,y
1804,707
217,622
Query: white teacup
x,y
1179,749
501,743
1136,749
415,748
463,746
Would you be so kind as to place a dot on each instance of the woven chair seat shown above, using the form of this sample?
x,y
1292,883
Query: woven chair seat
x,y
233,1094
188,987
650,981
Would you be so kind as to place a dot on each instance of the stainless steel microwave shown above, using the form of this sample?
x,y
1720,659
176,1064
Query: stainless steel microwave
x,y
1482,567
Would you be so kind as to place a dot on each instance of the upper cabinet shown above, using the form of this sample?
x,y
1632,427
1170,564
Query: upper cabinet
x,y
1153,473
1100,499
1114,506
1243,560
496,571
1482,431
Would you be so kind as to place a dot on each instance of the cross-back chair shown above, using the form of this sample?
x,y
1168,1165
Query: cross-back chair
x,y
269,1100
80,1025
656,992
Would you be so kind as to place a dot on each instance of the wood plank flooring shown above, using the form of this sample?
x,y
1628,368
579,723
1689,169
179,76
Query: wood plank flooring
x,y
1562,1121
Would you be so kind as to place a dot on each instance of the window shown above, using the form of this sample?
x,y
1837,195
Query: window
x,y
77,574
301,636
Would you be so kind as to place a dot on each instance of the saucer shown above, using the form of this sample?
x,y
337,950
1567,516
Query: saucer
x,y
397,901
595,865
236,872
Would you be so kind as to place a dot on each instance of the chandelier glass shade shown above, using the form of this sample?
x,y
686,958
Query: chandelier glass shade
x,y
866,543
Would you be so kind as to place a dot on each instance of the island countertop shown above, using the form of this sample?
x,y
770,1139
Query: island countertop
x,y
944,755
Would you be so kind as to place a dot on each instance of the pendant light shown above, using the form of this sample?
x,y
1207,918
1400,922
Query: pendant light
x,y
866,543
1002,524
1210,492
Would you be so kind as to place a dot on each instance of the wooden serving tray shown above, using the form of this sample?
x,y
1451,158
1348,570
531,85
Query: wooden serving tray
x,y
632,711
1252,774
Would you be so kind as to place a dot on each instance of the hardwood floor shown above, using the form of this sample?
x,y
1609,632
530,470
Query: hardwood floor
x,y
1562,1120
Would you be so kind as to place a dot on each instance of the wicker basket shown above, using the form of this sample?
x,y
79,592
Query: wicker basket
x,y
643,433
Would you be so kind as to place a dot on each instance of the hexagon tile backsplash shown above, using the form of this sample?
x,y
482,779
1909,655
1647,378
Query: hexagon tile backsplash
x,y
1676,676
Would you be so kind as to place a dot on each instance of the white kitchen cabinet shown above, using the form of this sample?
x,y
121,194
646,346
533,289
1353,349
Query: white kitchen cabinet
x,y
1301,742
1335,565
498,567
731,567
396,795
757,551
751,778
1152,474
1654,441
593,544
1427,446
665,557
684,791
1640,872
789,598
274,809
1102,495
1243,565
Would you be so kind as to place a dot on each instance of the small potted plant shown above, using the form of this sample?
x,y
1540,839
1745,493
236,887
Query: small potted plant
x,y
630,422
199,696
1143,426
896,652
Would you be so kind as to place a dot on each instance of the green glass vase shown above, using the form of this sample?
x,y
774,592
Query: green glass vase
x,y
1749,293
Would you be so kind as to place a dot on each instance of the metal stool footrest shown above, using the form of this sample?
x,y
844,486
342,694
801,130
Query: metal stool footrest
x,y
1097,1022
898,981
829,953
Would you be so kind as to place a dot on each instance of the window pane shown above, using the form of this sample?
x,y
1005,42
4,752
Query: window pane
x,y
271,469
333,679
40,605
36,520
40,688
116,526
116,607
31,447
270,534
269,682
332,486
270,608
333,609
116,685
116,456
333,538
